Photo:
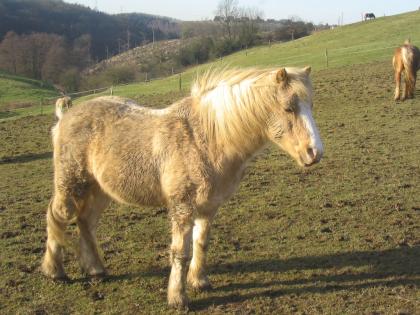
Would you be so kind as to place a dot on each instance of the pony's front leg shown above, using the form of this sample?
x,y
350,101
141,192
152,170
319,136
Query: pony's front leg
x,y
197,276
182,225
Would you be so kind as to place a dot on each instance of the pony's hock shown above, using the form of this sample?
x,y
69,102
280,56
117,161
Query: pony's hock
x,y
188,157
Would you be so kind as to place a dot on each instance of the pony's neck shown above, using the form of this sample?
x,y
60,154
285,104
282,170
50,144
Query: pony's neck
x,y
227,147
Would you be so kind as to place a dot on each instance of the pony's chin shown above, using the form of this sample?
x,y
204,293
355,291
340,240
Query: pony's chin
x,y
305,164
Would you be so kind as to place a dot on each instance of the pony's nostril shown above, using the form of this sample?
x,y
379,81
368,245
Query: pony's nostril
x,y
311,152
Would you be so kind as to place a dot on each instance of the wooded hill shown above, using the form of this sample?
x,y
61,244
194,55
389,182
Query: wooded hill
x,y
110,34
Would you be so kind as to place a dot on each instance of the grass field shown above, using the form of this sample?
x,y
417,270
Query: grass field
x,y
340,238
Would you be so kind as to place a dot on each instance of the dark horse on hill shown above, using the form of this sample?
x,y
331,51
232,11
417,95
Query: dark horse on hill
x,y
369,16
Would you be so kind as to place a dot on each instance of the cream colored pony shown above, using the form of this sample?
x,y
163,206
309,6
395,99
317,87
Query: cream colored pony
x,y
188,157
61,104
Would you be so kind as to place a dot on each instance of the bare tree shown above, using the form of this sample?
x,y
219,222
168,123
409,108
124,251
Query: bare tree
x,y
248,25
227,13
9,49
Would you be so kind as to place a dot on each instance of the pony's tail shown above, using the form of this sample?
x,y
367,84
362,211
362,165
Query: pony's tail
x,y
59,113
408,59
59,110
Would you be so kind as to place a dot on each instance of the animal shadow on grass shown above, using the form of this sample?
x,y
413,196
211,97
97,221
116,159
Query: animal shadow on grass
x,y
24,158
390,268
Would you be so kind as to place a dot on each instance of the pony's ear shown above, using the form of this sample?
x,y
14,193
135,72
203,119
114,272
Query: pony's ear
x,y
281,75
307,70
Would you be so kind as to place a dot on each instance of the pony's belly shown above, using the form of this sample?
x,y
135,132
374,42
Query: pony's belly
x,y
134,187
133,195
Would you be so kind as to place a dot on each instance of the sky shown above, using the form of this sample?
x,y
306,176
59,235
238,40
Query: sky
x,y
317,11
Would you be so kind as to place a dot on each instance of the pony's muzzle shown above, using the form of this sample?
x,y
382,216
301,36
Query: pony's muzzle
x,y
312,156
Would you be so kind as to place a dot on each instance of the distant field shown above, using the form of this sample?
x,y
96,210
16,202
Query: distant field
x,y
18,93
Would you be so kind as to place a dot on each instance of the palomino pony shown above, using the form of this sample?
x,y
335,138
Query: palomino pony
x,y
188,157
61,104
406,60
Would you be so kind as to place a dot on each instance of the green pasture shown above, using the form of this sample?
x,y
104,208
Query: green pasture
x,y
18,92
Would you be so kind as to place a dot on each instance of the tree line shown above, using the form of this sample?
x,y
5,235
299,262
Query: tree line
x,y
234,28
47,57
110,34
54,41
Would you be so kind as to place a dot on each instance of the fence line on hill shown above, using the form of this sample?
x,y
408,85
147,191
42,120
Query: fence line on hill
x,y
327,55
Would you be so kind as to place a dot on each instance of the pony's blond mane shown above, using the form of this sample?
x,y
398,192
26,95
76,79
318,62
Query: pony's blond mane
x,y
234,104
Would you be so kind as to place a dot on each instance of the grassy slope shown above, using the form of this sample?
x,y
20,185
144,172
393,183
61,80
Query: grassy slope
x,y
352,44
15,90
339,238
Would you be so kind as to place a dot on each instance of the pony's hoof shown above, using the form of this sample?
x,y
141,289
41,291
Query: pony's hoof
x,y
200,285
62,279
179,303
203,288
99,277
94,273
54,273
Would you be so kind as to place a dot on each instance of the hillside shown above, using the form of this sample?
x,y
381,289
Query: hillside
x,y
109,33
162,51
357,43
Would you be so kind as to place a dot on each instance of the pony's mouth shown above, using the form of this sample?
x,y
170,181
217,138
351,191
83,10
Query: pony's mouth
x,y
306,160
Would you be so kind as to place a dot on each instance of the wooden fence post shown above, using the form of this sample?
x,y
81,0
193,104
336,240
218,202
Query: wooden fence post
x,y
180,82
112,90
42,110
326,56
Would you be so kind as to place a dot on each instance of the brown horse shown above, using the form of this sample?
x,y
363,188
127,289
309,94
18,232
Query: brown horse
x,y
188,157
406,60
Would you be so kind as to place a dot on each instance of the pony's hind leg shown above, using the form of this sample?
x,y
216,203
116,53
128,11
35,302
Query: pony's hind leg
x,y
197,277
397,85
412,89
60,211
90,261
407,87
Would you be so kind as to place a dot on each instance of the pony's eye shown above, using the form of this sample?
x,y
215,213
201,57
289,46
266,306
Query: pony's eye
x,y
289,109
